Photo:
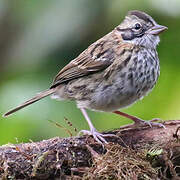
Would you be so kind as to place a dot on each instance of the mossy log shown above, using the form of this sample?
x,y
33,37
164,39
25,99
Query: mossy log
x,y
136,153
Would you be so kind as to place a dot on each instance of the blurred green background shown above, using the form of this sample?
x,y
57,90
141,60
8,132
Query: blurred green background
x,y
37,38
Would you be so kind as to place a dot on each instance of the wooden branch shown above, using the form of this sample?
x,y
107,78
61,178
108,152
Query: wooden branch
x,y
74,156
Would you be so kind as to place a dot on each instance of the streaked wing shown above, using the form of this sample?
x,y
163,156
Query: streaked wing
x,y
96,58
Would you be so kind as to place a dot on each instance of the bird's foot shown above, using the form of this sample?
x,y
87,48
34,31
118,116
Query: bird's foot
x,y
139,122
97,136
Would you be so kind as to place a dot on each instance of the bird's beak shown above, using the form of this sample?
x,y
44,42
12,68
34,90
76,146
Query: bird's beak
x,y
156,29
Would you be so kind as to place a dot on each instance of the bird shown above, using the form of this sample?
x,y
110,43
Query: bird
x,y
112,73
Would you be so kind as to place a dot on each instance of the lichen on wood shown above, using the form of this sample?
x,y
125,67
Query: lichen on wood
x,y
136,153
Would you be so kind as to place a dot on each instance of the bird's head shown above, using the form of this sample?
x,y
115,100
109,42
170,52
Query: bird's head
x,y
140,29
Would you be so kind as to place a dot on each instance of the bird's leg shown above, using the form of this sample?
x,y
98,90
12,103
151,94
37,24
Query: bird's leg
x,y
96,135
138,121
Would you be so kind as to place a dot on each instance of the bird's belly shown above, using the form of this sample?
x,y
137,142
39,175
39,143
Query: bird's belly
x,y
122,92
112,98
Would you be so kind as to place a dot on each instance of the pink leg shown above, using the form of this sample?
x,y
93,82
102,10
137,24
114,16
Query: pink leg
x,y
138,121
97,136
133,118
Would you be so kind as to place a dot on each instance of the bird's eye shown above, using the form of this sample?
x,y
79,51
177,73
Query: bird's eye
x,y
137,26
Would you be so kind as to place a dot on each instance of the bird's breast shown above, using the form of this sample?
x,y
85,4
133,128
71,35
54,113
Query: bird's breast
x,y
130,83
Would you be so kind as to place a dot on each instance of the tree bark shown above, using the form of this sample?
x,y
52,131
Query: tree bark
x,y
80,157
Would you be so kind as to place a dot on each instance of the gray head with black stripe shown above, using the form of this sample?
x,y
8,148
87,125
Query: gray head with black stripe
x,y
141,29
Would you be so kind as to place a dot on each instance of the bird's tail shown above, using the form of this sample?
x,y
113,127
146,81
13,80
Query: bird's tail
x,y
30,101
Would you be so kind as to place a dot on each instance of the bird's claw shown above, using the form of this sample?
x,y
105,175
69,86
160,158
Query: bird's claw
x,y
97,136
149,123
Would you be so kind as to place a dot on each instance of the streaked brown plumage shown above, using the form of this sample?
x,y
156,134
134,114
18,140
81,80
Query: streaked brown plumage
x,y
112,73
